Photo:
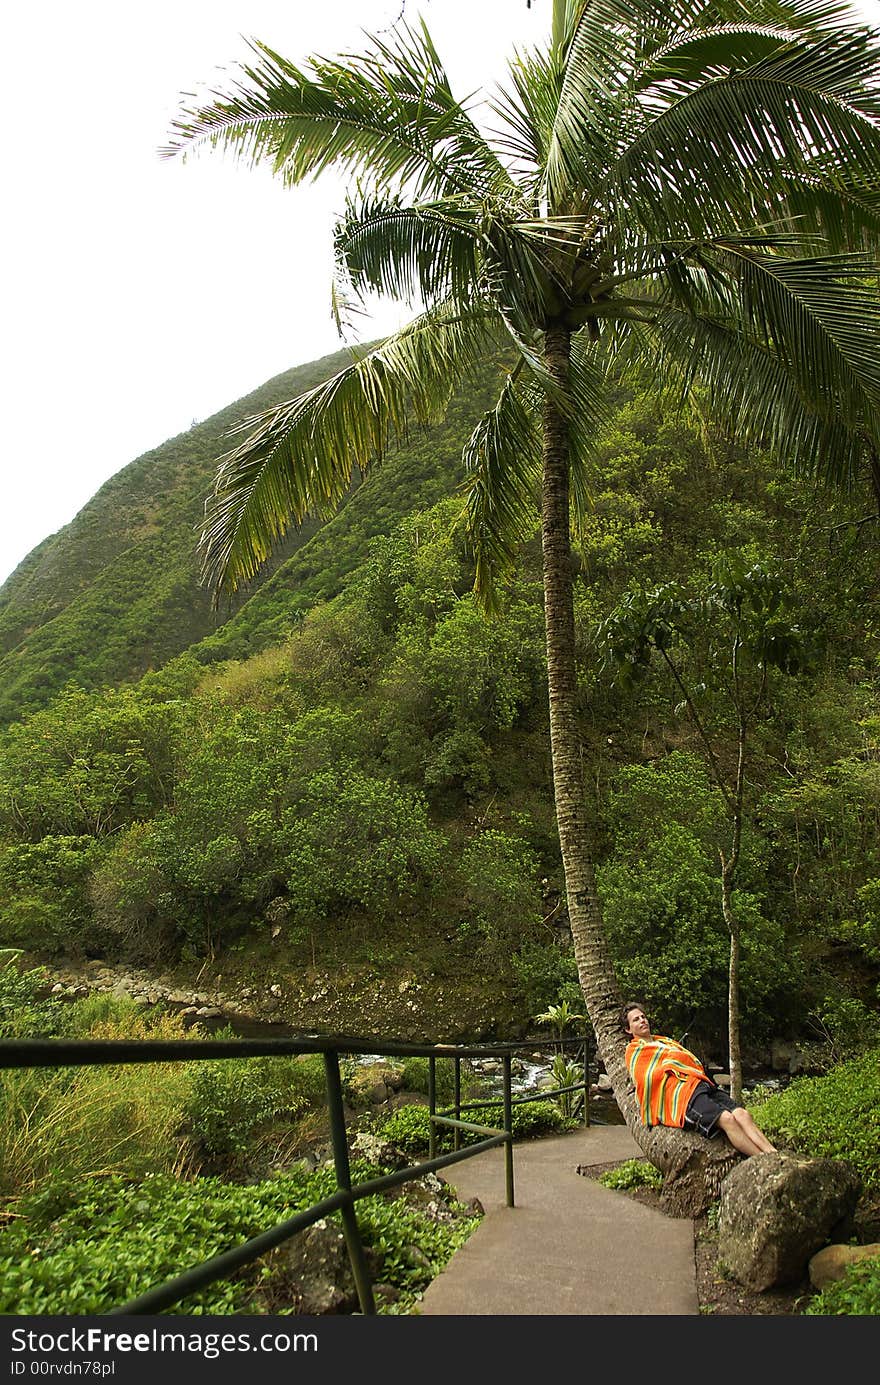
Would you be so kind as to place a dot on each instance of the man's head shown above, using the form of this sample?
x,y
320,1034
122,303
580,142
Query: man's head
x,y
634,1021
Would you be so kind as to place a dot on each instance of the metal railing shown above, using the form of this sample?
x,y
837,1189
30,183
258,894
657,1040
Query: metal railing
x,y
41,1053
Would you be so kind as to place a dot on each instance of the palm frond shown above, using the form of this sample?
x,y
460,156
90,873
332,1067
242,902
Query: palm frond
x,y
821,319
719,148
588,382
502,462
388,113
427,251
601,54
751,392
844,215
527,109
298,459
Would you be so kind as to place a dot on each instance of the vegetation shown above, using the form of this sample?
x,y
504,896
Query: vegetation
x,y
375,790
348,772
632,1173
835,1116
83,1248
409,1128
856,1295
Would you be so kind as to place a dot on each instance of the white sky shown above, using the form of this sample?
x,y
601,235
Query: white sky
x,y
143,293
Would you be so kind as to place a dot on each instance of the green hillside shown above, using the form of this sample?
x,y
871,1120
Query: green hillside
x,y
116,593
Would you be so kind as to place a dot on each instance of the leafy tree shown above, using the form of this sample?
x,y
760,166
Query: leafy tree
x,y
660,898
44,896
744,627
499,888
691,182
88,764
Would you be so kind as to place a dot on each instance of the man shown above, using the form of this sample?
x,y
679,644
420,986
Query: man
x,y
673,1088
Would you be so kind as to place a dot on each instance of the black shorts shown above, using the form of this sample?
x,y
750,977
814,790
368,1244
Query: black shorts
x,y
705,1107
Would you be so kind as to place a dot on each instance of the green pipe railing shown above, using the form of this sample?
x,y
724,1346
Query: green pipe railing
x,y
38,1053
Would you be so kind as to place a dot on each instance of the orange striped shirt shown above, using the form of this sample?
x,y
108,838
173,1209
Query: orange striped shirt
x,y
665,1076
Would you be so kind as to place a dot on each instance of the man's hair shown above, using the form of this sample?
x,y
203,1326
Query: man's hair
x,y
624,1012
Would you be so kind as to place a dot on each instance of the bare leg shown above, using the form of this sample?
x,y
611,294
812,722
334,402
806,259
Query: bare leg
x,y
743,1134
754,1132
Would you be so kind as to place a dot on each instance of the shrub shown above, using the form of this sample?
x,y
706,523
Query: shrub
x,y
233,1099
25,1011
633,1173
836,1115
415,1078
308,1080
546,973
408,1129
857,1294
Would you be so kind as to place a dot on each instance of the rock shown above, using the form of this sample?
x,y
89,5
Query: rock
x,y
311,1272
832,1263
785,1056
723,1080
386,1293
777,1210
370,1082
604,1083
417,1257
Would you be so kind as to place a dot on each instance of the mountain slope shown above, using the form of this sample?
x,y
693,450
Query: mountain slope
x,y
116,592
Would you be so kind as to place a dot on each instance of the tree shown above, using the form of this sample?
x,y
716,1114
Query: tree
x,y
693,183
750,627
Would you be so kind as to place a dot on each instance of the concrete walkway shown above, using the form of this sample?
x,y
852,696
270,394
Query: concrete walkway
x,y
569,1246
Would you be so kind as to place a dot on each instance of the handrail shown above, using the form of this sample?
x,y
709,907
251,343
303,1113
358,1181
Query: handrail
x,y
39,1053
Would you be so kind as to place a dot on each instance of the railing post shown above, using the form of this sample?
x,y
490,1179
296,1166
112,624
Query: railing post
x,y
432,1106
586,1081
508,1126
350,1227
456,1138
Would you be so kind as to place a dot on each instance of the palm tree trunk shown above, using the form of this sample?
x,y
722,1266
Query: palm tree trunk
x,y
693,1167
576,838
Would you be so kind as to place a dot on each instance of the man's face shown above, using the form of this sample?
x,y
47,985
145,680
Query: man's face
x,y
637,1023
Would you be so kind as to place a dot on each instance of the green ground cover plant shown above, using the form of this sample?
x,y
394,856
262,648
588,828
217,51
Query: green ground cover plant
x,y
836,1115
85,1247
856,1295
633,1173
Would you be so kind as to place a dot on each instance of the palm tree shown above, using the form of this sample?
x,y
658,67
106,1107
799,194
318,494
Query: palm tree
x,y
691,183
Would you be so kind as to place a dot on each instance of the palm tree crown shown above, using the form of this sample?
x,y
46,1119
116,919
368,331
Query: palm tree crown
x,y
694,180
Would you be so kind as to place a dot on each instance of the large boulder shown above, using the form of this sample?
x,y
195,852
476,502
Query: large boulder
x,y
777,1210
833,1263
312,1275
